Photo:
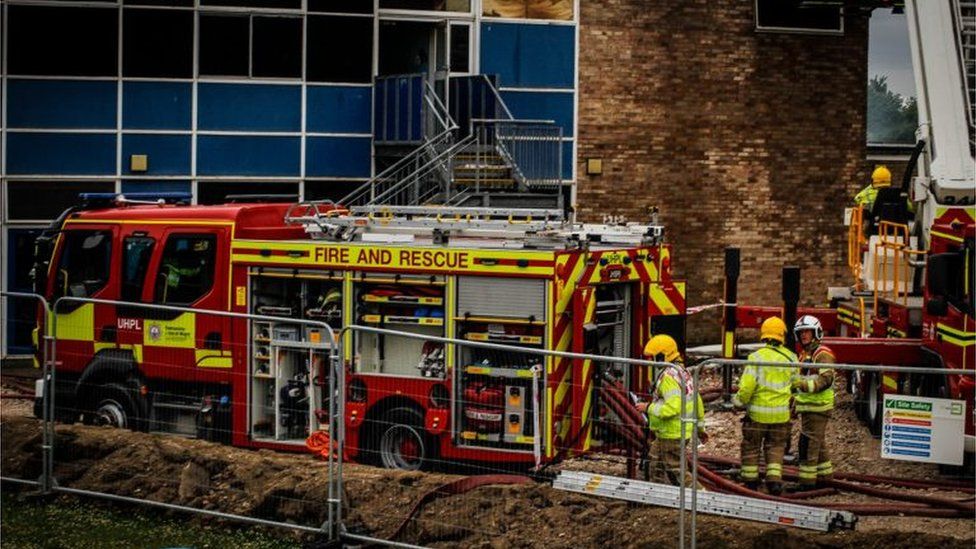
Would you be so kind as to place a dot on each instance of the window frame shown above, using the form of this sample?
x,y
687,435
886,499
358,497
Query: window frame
x,y
146,263
55,288
157,265
109,8
796,30
209,11
123,57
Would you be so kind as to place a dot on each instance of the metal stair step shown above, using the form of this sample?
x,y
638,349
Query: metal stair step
x,y
485,181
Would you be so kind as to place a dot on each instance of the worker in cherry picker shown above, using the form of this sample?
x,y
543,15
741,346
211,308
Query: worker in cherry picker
x,y
765,392
664,411
880,179
814,398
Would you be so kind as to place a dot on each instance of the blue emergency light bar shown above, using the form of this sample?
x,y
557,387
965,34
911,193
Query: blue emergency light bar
x,y
166,196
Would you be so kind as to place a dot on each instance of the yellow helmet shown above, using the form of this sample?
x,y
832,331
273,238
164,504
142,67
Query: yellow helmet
x,y
773,328
662,346
881,177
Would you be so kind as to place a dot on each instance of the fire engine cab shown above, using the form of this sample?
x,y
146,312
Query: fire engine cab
x,y
519,278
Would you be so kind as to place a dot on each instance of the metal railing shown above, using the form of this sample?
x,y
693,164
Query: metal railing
x,y
168,392
623,363
894,263
47,359
531,149
719,363
407,171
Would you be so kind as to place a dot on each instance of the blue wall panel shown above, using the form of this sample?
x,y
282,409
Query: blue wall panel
x,y
61,104
65,153
556,106
249,107
248,156
155,187
156,105
168,154
339,109
337,156
540,56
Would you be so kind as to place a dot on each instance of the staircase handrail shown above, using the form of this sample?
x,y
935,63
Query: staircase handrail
x,y
498,98
436,162
370,186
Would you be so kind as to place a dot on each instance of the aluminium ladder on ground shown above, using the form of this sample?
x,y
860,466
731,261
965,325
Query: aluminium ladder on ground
x,y
713,503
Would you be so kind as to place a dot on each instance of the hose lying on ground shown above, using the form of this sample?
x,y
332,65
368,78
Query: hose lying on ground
x,y
897,482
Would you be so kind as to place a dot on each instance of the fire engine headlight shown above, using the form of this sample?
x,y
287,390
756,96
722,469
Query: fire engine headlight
x,y
439,397
357,391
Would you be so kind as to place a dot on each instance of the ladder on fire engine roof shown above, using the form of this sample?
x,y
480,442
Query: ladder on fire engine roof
x,y
727,505
518,227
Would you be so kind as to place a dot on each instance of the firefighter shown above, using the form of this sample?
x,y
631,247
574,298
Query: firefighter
x,y
764,391
664,411
814,387
880,178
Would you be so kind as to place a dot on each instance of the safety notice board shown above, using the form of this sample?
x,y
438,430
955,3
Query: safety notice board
x,y
923,429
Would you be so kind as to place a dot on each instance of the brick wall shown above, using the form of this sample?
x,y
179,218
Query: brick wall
x,y
746,139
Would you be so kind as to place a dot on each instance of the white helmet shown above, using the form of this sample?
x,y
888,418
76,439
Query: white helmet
x,y
808,322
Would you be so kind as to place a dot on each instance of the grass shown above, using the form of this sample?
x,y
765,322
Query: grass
x,y
71,523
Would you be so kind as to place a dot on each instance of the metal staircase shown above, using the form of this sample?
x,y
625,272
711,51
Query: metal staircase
x,y
491,159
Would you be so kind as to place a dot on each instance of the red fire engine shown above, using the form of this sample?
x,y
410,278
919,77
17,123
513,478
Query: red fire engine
x,y
482,276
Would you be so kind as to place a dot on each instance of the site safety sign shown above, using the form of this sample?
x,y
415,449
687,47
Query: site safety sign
x,y
923,429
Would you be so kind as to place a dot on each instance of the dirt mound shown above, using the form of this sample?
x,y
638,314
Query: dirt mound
x,y
293,487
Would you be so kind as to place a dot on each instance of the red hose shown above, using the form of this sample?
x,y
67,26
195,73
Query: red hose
x,y
623,408
970,509
628,431
723,484
16,396
809,494
871,479
617,390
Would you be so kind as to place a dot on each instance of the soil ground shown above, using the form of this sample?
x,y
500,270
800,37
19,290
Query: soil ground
x,y
293,488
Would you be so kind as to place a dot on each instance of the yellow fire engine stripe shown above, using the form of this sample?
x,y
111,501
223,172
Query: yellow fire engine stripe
x,y
212,358
102,345
947,236
151,222
588,397
566,297
970,211
563,387
889,382
78,325
450,324
956,337
550,445
402,258
661,300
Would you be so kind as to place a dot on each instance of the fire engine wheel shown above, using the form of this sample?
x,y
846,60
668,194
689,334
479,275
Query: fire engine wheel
x,y
113,406
402,444
874,402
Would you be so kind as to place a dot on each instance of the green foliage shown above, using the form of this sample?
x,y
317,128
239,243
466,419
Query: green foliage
x,y
68,523
891,117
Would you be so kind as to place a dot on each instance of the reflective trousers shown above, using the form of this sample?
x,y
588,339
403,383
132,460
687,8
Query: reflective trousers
x,y
768,439
814,460
665,461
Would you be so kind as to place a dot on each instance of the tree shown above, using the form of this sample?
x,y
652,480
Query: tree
x,y
891,117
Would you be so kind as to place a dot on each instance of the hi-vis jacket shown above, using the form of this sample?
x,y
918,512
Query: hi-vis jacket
x,y
664,417
765,391
815,386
